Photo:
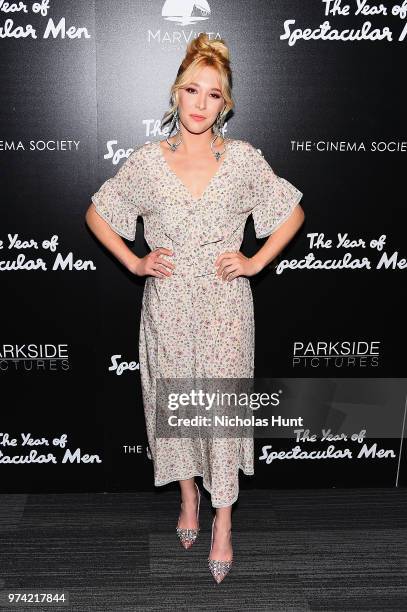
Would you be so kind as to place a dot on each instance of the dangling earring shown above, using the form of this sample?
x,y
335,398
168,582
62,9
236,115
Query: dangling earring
x,y
220,119
174,145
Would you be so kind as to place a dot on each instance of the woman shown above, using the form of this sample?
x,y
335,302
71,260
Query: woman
x,y
195,191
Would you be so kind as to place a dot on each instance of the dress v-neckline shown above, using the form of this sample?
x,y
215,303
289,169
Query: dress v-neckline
x,y
226,155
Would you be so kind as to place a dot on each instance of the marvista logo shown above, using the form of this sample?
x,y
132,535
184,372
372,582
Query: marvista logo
x,y
186,12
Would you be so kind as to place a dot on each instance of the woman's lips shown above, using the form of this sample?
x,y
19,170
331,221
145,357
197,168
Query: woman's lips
x,y
197,117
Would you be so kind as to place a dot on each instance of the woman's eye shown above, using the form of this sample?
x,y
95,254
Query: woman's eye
x,y
189,89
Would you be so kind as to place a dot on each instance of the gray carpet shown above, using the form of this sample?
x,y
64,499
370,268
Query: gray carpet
x,y
297,550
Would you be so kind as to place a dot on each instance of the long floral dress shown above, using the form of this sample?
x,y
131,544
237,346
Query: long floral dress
x,y
193,323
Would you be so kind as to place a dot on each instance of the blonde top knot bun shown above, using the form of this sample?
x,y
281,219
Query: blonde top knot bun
x,y
200,52
205,47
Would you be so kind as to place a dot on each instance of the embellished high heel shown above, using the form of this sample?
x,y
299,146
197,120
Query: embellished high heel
x,y
188,536
218,568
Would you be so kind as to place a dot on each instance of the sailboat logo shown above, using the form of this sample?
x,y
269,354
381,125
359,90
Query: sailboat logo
x,y
186,12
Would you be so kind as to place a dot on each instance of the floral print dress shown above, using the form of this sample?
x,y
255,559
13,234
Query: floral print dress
x,y
194,324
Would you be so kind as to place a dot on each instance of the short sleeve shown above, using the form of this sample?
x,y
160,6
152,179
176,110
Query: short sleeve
x,y
273,198
118,199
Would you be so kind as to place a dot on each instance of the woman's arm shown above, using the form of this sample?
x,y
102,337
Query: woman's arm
x,y
151,264
276,242
112,241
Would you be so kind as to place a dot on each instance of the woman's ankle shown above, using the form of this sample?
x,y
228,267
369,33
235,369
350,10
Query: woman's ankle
x,y
223,523
189,498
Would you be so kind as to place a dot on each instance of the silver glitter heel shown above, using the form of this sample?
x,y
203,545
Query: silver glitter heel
x,y
218,569
188,536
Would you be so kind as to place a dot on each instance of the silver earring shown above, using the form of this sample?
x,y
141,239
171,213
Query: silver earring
x,y
218,132
174,145
220,119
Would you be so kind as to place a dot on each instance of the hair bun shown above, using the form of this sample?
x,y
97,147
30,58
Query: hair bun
x,y
206,47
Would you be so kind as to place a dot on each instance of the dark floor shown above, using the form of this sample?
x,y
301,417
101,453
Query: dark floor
x,y
335,549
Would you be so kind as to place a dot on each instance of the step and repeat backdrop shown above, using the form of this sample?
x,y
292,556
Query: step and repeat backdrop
x,y
320,91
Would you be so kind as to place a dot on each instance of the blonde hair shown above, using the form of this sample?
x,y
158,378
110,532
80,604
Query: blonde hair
x,y
202,51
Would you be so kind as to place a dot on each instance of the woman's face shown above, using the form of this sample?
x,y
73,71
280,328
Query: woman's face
x,y
201,96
